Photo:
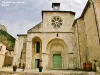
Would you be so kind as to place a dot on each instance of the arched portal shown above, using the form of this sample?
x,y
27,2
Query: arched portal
x,y
57,52
36,51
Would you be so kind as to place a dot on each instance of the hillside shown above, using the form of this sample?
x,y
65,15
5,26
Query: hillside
x,y
6,38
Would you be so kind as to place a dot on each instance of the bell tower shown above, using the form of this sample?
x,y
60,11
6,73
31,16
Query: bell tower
x,y
56,6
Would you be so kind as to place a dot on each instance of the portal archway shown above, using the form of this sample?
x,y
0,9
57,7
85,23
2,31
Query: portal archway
x,y
57,52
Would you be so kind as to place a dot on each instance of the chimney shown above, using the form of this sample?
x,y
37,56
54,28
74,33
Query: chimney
x,y
56,6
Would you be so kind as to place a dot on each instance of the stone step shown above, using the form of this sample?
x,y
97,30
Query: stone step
x,y
47,73
85,73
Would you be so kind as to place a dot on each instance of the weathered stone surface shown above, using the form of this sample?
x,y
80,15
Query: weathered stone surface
x,y
52,73
52,41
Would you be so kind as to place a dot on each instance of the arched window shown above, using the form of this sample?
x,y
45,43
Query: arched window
x,y
37,47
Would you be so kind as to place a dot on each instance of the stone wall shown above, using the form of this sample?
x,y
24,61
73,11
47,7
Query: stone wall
x,y
92,33
97,13
46,38
67,21
48,33
18,49
81,42
76,46
88,34
2,54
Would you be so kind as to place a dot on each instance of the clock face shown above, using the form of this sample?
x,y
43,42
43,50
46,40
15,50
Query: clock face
x,y
56,22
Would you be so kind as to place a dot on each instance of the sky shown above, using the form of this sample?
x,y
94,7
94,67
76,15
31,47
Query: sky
x,y
20,15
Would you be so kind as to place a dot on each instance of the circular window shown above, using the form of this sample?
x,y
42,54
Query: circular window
x,y
56,22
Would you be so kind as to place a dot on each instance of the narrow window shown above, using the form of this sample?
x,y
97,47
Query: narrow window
x,y
57,35
0,48
37,47
21,56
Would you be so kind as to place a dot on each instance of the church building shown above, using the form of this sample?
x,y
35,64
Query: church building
x,y
51,41
60,41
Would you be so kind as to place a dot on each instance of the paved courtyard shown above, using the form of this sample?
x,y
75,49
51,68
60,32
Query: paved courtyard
x,y
9,71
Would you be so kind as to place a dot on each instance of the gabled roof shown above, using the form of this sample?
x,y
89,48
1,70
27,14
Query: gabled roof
x,y
35,28
84,10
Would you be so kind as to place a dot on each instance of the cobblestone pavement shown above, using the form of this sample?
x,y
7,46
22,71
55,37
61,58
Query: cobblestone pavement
x,y
9,71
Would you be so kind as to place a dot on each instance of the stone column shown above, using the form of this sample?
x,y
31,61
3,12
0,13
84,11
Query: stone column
x,y
33,62
71,64
15,58
49,60
44,60
64,61
17,52
29,54
70,56
44,55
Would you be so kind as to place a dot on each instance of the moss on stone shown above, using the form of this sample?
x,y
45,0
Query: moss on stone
x,y
6,38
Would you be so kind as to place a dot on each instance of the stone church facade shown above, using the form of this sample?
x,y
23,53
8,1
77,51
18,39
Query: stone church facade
x,y
59,41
